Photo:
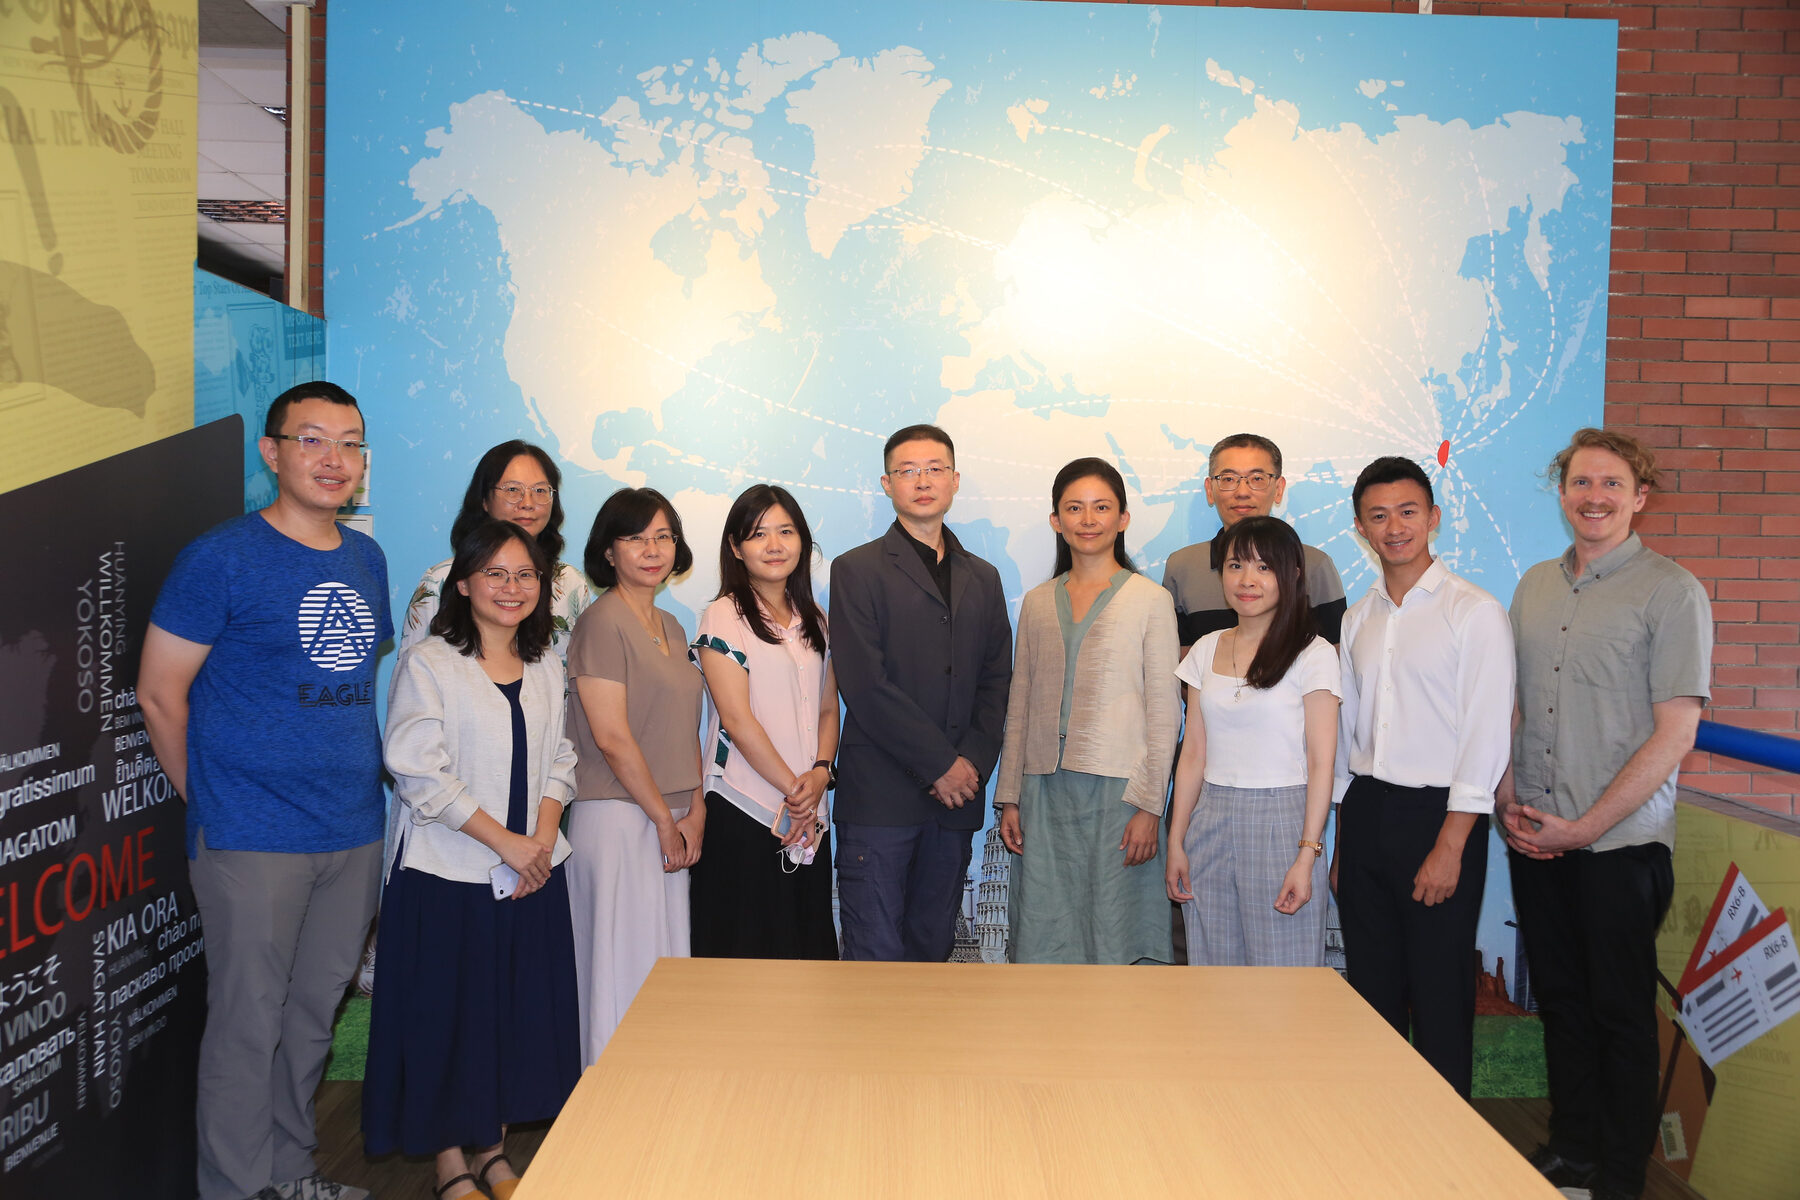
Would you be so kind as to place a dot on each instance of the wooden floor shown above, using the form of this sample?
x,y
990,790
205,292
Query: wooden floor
x,y
1520,1122
394,1177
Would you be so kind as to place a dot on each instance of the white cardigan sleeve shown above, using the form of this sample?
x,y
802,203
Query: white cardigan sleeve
x,y
559,780
416,747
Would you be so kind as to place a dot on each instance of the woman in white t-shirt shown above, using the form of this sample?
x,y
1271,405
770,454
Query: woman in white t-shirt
x,y
1253,780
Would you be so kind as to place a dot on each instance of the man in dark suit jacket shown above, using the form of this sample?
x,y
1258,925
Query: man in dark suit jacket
x,y
923,650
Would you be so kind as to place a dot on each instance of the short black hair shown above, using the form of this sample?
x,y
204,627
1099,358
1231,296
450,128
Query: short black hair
x,y
917,433
1391,468
1245,441
488,474
455,618
628,511
318,389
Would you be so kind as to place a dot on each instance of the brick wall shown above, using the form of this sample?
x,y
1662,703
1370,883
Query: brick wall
x,y
1703,340
1703,349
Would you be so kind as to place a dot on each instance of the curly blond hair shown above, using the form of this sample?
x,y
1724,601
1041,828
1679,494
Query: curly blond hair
x,y
1639,457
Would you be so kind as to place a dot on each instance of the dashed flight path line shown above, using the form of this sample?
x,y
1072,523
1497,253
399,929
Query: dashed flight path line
x,y
899,219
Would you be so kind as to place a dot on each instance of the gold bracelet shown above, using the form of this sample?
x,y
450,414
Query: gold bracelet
x,y
1317,848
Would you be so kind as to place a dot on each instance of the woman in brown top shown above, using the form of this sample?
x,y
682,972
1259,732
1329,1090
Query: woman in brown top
x,y
634,716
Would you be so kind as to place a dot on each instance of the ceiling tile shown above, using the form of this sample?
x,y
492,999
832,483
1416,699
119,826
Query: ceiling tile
x,y
259,84
264,235
239,122
236,23
223,185
248,158
213,90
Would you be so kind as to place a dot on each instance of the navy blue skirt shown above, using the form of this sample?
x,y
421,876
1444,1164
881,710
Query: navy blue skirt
x,y
475,1022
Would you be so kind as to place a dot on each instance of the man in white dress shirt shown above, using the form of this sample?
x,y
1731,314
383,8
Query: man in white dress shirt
x,y
1424,736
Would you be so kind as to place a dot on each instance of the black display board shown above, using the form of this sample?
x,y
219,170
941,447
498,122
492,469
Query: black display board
x,y
102,968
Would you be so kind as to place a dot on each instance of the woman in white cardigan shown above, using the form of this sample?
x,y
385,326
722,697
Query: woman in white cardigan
x,y
1090,735
475,1022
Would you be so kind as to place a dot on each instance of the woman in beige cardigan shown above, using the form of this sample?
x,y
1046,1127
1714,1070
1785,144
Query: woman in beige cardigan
x,y
1090,735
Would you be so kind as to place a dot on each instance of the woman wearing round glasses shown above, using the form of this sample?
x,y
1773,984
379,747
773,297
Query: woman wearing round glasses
x,y
517,482
634,716
475,1023
764,889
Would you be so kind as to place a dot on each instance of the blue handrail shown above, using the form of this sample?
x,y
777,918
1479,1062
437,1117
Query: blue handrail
x,y
1750,745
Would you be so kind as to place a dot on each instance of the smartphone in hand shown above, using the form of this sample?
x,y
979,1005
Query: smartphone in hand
x,y
504,880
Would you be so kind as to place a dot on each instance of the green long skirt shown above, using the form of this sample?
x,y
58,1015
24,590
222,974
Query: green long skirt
x,y
1072,899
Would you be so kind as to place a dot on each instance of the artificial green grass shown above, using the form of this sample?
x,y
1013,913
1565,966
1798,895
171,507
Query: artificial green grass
x,y
350,1040
1509,1051
1509,1057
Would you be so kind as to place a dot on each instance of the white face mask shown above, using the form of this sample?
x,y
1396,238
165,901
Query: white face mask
x,y
798,855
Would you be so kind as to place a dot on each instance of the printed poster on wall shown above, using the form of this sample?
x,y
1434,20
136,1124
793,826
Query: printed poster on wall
x,y
704,244
97,177
248,349
1731,1095
102,974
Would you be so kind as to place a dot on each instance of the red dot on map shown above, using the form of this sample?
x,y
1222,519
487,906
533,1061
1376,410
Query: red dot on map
x,y
1443,454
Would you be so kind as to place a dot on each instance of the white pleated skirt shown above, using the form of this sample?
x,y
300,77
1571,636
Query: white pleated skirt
x,y
626,911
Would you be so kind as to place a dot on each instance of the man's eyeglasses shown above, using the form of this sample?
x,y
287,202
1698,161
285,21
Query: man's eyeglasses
x,y
516,494
312,443
1257,481
528,577
928,474
637,541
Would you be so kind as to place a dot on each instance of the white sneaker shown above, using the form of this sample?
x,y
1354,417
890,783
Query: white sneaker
x,y
317,1187
365,974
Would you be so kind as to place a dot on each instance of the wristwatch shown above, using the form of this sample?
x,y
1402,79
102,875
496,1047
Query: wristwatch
x,y
830,773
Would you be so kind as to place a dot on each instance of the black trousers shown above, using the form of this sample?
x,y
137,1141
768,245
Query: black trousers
x,y
1590,921
1414,964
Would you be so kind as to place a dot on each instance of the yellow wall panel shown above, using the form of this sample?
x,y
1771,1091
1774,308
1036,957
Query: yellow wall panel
x,y
97,221
1738,1142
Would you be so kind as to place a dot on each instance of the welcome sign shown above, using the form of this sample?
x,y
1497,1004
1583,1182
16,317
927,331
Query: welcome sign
x,y
102,976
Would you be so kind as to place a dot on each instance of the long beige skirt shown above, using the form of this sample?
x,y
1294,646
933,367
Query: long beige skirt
x,y
626,911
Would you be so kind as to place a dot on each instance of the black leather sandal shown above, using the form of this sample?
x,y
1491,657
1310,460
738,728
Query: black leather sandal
x,y
445,1186
499,1189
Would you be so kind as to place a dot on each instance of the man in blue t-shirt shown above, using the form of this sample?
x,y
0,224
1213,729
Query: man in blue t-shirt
x,y
257,685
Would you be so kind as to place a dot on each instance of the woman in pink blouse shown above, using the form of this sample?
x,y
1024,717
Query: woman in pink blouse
x,y
764,888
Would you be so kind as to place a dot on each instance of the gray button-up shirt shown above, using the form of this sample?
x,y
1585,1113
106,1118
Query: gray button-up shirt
x,y
1595,653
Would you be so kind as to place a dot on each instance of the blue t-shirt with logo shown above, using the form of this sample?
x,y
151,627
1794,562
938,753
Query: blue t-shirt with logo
x,y
284,753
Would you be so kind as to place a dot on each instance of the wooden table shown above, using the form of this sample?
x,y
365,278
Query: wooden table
x,y
946,1080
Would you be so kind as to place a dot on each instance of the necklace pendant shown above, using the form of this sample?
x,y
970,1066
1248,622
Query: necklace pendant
x,y
655,641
